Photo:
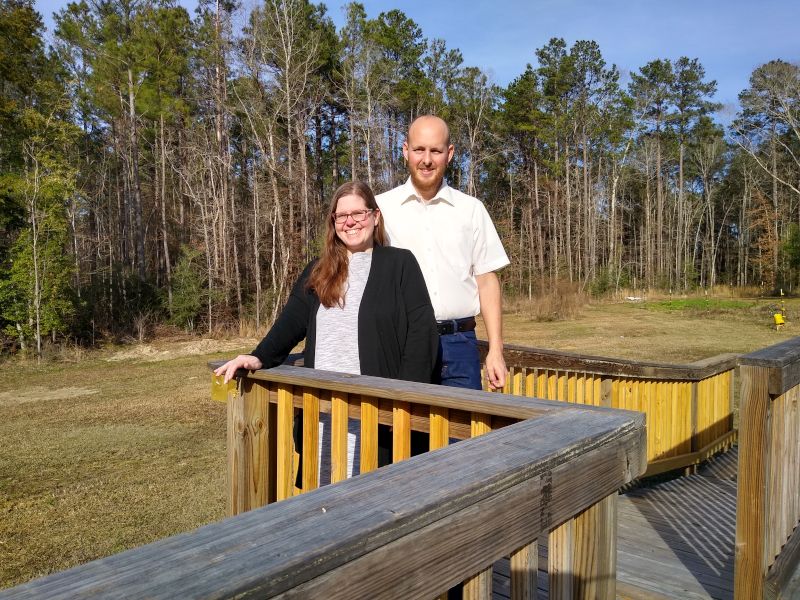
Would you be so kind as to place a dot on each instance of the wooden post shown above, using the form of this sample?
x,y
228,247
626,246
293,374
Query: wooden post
x,y
248,430
753,483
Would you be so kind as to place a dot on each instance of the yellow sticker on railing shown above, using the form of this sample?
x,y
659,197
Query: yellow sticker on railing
x,y
219,390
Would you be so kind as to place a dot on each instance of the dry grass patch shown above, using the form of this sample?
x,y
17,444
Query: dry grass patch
x,y
100,458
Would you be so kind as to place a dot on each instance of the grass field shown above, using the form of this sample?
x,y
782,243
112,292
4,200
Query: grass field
x,y
125,446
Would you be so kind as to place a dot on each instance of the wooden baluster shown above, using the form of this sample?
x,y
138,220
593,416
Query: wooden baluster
x,y
310,440
272,444
369,434
440,427
481,423
285,472
580,389
694,417
401,434
247,437
569,395
524,572
339,412
560,549
479,587
542,379
530,383
561,394
582,554
516,387
506,389
552,385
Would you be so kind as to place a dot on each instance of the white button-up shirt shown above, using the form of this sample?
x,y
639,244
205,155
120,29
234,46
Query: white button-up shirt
x,y
453,239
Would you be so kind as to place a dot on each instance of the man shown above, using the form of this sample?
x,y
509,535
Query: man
x,y
458,249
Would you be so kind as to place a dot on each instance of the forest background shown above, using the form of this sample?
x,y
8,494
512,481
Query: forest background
x,y
158,166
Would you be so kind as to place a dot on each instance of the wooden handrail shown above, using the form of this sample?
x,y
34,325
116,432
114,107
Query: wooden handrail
x,y
411,529
522,356
768,495
405,391
783,362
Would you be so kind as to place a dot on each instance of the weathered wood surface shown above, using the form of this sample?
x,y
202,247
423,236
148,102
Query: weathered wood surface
x,y
783,360
483,498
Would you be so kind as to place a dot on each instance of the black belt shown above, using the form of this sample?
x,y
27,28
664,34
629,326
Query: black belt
x,y
455,325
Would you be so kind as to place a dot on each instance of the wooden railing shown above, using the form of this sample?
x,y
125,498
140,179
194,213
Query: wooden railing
x,y
412,529
768,503
689,407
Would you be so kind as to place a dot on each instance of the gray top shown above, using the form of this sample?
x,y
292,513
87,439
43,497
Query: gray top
x,y
337,328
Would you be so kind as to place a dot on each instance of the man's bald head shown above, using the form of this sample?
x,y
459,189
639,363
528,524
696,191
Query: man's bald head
x,y
432,121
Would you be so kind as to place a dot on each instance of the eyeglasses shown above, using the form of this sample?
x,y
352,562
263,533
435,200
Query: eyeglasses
x,y
356,215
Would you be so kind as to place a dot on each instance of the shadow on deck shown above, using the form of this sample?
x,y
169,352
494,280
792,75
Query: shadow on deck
x,y
677,537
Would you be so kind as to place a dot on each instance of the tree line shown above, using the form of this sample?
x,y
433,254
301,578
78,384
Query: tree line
x,y
160,166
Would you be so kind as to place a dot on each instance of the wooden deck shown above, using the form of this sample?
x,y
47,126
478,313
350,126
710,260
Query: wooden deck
x,y
676,538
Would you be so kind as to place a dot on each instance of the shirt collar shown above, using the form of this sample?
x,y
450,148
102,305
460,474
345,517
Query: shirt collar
x,y
444,194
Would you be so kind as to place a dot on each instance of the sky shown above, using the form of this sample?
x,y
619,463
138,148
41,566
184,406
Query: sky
x,y
729,37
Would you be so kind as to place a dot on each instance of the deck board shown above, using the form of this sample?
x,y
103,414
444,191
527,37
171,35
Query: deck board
x,y
675,538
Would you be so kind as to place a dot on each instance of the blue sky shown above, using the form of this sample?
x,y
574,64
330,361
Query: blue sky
x,y
730,38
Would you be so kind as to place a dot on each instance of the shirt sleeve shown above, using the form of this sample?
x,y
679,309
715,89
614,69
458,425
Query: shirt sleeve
x,y
488,253
290,327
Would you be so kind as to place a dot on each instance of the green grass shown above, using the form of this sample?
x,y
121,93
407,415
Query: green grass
x,y
715,305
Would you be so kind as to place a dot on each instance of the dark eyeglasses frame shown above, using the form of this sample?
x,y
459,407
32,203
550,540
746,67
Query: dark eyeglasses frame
x,y
342,217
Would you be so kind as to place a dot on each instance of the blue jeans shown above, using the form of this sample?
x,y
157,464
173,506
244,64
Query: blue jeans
x,y
459,362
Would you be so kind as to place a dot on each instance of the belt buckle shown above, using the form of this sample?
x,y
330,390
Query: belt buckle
x,y
447,327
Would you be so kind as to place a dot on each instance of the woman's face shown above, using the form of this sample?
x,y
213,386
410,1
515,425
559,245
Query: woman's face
x,y
355,235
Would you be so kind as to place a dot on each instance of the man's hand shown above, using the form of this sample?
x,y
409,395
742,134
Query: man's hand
x,y
495,369
491,311
243,361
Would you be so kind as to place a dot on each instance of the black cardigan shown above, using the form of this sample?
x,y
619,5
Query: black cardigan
x,y
397,335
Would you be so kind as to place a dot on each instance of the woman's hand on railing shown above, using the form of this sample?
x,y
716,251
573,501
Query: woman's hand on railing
x,y
243,361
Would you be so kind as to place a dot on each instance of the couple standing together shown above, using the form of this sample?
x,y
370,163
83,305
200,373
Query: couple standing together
x,y
399,282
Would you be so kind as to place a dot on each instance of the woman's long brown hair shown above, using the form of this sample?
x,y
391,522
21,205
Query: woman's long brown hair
x,y
330,273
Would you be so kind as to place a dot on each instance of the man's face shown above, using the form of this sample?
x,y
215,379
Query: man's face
x,y
428,154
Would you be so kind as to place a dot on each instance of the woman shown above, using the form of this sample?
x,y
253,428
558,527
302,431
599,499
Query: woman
x,y
362,307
